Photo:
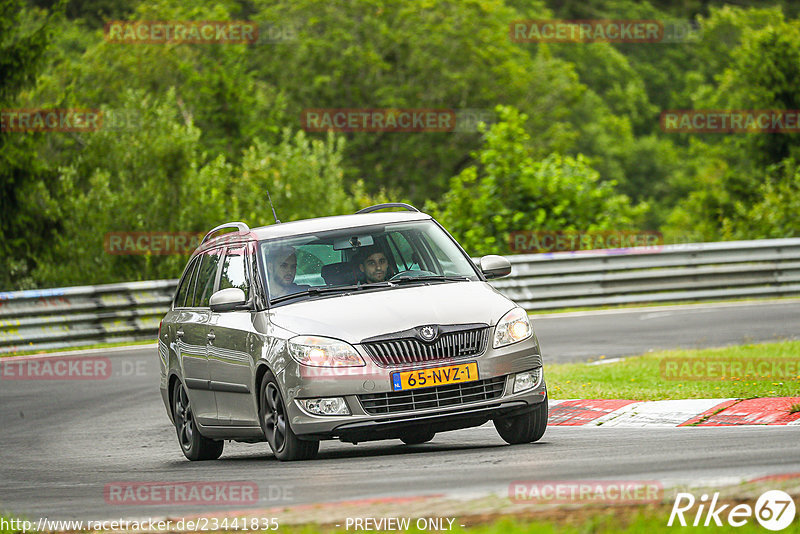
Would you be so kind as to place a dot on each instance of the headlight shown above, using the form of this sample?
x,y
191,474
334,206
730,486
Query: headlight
x,y
323,352
512,328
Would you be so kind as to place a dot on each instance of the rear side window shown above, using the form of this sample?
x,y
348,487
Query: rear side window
x,y
234,271
186,287
206,277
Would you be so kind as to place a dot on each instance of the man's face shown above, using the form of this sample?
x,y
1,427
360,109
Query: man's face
x,y
375,267
284,269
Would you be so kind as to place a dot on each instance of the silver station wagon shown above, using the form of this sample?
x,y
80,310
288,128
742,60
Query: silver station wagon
x,y
360,327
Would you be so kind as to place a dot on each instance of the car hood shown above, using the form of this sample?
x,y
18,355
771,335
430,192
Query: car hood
x,y
359,316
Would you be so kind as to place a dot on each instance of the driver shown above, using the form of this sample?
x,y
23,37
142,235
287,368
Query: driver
x,y
282,268
374,265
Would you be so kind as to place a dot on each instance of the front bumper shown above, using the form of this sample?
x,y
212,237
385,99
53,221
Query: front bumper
x,y
304,382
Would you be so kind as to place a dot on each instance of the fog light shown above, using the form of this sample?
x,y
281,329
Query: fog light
x,y
527,380
325,406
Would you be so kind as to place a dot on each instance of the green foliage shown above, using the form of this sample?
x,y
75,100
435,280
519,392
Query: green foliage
x,y
412,54
154,178
776,213
24,38
751,60
511,190
579,143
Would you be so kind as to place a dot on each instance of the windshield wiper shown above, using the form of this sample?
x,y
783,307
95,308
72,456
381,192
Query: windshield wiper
x,y
431,278
314,291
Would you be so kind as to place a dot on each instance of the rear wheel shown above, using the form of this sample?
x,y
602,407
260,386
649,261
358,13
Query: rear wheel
x,y
417,436
524,428
193,445
274,422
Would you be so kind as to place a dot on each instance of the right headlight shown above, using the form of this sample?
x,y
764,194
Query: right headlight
x,y
318,351
512,328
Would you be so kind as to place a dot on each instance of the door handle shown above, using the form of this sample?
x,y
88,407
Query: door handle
x,y
211,336
179,333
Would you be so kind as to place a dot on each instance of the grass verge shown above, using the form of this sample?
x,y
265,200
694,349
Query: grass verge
x,y
663,375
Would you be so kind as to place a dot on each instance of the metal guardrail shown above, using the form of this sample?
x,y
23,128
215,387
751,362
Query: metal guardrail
x,y
74,316
672,273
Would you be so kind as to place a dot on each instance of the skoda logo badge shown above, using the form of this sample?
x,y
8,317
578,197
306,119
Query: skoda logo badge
x,y
428,333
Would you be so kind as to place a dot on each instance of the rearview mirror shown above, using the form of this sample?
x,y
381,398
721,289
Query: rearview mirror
x,y
493,266
227,299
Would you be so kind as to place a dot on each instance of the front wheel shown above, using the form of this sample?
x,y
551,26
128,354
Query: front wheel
x,y
524,428
193,445
274,422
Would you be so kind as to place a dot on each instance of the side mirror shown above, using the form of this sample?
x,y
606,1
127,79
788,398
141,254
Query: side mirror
x,y
494,266
227,299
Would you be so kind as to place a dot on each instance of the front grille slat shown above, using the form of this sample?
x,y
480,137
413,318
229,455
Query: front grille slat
x,y
408,350
433,397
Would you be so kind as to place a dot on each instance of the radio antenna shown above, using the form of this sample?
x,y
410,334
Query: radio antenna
x,y
273,208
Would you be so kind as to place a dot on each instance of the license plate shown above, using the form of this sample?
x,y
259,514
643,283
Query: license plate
x,y
435,376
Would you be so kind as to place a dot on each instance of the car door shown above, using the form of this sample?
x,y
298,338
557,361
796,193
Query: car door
x,y
229,353
193,340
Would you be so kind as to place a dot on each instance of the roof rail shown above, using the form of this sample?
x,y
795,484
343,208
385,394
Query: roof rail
x,y
240,226
377,207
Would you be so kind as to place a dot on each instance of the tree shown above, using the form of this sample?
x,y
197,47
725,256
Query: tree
x,y
776,213
154,177
24,38
510,190
410,54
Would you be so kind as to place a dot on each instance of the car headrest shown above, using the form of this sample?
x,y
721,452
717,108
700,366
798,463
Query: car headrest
x,y
339,274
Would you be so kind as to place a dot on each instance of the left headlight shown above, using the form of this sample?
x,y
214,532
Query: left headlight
x,y
319,351
512,328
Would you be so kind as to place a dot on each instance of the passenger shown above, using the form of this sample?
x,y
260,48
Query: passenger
x,y
374,264
282,268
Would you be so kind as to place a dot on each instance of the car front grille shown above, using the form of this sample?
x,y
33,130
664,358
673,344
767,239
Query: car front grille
x,y
409,350
434,397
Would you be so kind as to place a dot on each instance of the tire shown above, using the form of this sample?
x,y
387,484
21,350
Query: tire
x,y
285,444
417,436
193,444
524,428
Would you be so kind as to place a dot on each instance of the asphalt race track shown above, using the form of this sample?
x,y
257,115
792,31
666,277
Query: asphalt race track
x,y
581,336
64,441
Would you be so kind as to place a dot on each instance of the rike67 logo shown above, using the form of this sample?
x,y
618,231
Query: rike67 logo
x,y
774,510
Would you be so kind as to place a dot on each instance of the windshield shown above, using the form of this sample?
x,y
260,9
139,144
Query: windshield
x,y
371,256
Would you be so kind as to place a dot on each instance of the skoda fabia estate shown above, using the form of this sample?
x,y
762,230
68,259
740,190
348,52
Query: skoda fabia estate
x,y
360,327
